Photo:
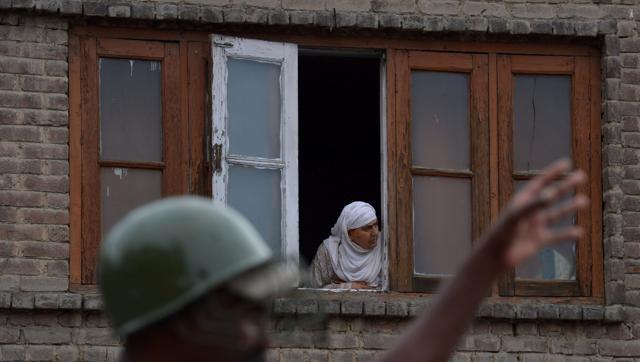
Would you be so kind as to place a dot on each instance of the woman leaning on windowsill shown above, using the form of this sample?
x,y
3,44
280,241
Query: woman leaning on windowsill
x,y
351,257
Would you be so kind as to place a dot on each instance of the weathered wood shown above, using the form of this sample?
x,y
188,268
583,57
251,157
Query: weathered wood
x,y
75,160
122,48
91,210
505,150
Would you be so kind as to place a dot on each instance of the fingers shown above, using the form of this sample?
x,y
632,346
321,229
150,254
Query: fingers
x,y
566,209
567,185
564,234
552,172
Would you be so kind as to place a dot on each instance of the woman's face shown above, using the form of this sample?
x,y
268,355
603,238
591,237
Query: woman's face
x,y
366,236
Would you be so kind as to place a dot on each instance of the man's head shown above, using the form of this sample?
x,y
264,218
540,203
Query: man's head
x,y
188,271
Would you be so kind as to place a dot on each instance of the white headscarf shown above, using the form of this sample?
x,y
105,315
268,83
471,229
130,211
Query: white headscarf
x,y
351,262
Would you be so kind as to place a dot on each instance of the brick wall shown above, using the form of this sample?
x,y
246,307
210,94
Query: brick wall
x,y
41,319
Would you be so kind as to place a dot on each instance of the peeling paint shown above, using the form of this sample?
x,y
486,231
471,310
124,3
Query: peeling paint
x,y
131,62
120,172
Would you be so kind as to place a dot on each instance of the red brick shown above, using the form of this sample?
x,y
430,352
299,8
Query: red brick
x,y
56,135
45,117
45,216
20,133
22,198
10,149
58,168
8,214
21,65
44,84
32,50
8,248
9,116
57,201
58,102
45,183
20,266
58,233
43,284
47,335
20,232
56,68
8,81
58,268
21,99
9,182
44,249
44,151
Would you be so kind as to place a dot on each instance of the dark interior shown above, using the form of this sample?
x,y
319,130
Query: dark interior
x,y
339,141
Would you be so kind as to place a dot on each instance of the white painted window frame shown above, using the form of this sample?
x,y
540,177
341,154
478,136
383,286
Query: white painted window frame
x,y
286,56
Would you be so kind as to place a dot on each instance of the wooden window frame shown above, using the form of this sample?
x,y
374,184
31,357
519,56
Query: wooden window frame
x,y
394,49
476,66
185,167
285,56
497,153
582,87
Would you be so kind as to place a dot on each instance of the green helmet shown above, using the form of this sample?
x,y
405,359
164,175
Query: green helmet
x,y
166,254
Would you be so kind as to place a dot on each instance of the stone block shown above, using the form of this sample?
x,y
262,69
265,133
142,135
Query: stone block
x,y
119,11
143,10
47,300
397,308
374,307
352,307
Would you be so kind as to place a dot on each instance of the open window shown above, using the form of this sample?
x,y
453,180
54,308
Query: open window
x,y
261,90
339,139
255,135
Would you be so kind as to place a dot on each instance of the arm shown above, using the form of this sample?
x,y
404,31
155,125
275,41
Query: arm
x,y
520,232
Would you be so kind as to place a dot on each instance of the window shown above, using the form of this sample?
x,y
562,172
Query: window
x,y
473,128
255,126
137,133
445,132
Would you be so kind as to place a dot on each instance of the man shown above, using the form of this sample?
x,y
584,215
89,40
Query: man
x,y
184,280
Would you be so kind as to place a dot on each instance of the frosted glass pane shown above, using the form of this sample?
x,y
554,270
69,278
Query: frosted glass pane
x,y
440,120
256,194
556,262
441,224
124,189
253,98
542,120
130,110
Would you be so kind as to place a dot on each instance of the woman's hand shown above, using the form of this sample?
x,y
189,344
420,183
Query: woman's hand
x,y
526,226
360,285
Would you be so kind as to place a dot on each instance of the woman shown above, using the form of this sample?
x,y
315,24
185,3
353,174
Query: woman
x,y
351,257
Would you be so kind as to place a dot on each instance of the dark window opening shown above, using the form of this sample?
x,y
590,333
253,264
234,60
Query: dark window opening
x,y
339,141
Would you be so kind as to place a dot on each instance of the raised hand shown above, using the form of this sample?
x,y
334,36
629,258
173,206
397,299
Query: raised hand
x,y
526,225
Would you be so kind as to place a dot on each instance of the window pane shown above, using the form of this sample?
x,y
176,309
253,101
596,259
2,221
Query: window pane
x,y
542,120
124,189
440,120
441,224
557,262
254,101
256,194
130,110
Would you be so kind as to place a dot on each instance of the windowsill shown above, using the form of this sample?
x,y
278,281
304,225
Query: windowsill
x,y
354,303
384,304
